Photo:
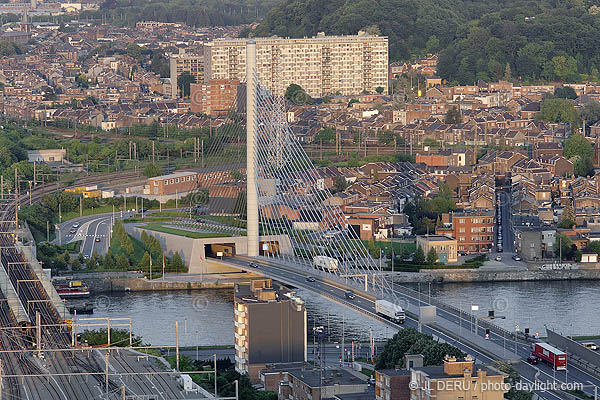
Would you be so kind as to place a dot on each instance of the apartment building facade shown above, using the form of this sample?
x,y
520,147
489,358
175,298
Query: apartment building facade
x,y
456,380
321,65
270,327
473,231
216,97
185,62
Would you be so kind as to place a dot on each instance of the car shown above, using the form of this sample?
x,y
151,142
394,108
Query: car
x,y
86,256
516,258
142,210
532,359
73,231
590,345
253,265
498,258
97,240
310,279
499,249
76,225
350,295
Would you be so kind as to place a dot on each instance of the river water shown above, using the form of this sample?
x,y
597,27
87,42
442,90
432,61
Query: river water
x,y
570,307
206,317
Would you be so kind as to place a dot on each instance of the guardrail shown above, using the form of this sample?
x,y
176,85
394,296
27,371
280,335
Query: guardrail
x,y
414,295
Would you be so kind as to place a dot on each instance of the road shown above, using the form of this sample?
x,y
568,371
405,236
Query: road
x,y
92,230
507,231
332,352
529,373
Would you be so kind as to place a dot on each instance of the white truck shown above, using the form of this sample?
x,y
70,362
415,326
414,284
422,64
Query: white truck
x,y
390,311
325,263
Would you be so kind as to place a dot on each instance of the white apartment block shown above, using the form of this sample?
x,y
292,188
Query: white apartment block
x,y
321,65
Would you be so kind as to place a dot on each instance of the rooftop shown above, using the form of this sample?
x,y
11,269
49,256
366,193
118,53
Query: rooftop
x,y
436,238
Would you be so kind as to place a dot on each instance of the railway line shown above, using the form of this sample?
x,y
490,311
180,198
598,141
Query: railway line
x,y
62,375
30,292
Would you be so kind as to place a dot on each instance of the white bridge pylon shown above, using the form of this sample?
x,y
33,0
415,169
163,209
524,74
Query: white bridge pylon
x,y
291,217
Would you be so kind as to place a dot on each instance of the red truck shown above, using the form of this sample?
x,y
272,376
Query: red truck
x,y
550,354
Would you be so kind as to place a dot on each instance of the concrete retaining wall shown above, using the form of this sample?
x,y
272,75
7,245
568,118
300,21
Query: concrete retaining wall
x,y
108,285
451,276
192,250
577,349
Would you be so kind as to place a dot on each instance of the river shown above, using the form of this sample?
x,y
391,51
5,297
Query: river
x,y
206,317
570,307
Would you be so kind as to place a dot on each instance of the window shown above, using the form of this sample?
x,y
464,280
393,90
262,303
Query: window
x,y
166,182
461,230
461,221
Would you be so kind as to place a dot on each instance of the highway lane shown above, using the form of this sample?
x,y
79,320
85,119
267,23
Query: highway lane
x,y
87,229
528,372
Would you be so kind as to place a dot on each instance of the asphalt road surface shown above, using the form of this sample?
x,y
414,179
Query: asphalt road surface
x,y
92,230
540,373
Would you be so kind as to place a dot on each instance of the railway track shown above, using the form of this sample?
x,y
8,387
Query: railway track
x,y
35,300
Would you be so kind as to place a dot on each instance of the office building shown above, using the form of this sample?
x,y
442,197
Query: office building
x,y
185,62
270,327
321,65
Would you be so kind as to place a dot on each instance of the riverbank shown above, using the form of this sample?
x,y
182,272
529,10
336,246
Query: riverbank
x,y
495,275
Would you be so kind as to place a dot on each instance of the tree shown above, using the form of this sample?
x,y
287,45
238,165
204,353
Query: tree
x,y
567,219
565,92
379,89
558,110
591,112
152,170
339,183
419,258
565,68
145,262
432,45
432,256
183,83
453,116
122,262
411,341
326,135
507,73
295,94
580,151
372,30
564,247
352,101
177,262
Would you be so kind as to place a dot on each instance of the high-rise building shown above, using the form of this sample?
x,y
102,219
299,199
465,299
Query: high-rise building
x,y
321,65
185,62
270,326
